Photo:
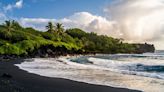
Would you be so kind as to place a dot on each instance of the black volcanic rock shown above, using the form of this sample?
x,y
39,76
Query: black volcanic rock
x,y
6,75
144,48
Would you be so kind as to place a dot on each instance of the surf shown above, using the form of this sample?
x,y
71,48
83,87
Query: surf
x,y
125,71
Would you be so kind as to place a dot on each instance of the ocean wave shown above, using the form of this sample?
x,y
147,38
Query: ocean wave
x,y
143,68
93,73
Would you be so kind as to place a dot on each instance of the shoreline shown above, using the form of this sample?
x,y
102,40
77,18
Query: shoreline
x,y
90,74
23,81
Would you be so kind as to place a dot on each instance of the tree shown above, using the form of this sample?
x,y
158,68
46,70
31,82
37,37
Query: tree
x,y
16,25
8,25
76,32
59,28
50,27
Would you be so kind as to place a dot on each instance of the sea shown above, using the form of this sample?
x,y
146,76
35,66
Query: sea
x,y
144,72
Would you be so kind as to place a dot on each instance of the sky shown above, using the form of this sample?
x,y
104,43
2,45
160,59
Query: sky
x,y
133,20
53,8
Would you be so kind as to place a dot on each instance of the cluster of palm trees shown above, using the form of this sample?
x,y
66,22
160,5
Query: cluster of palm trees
x,y
10,25
58,28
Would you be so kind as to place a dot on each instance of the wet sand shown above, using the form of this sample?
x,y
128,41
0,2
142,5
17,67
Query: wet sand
x,y
22,81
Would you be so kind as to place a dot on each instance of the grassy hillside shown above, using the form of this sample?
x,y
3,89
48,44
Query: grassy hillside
x,y
20,41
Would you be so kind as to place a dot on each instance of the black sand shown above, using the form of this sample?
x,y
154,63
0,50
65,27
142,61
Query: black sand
x,y
21,81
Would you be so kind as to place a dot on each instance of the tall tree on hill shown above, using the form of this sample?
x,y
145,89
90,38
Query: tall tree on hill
x,y
7,28
8,25
16,25
59,28
50,27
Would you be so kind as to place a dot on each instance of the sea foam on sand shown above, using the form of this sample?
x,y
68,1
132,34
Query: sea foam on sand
x,y
63,68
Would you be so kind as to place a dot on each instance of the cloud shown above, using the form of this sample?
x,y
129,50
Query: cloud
x,y
2,17
138,20
132,20
18,5
83,20
38,23
90,23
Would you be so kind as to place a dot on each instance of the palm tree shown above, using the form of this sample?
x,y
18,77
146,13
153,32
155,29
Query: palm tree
x,y
59,28
50,27
8,25
16,25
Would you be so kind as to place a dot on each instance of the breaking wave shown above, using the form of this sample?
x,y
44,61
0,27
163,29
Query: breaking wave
x,y
134,71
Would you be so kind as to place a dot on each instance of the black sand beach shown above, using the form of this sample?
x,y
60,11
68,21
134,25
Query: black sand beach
x,y
21,81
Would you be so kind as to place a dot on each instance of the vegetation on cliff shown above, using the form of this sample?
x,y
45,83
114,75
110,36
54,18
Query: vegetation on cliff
x,y
19,41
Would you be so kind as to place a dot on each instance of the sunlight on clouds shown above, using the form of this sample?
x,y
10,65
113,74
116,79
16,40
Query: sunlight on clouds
x,y
83,20
139,20
90,23
132,20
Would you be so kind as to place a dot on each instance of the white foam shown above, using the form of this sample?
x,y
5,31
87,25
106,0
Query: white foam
x,y
63,68
145,61
116,66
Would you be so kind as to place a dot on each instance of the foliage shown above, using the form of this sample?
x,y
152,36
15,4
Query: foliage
x,y
50,27
17,40
59,28
76,32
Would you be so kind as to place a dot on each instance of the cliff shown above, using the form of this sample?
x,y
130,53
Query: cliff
x,y
144,48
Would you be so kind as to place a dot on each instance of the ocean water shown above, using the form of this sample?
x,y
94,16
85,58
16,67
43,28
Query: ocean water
x,y
143,72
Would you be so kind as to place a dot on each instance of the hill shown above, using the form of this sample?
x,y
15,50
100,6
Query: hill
x,y
18,41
